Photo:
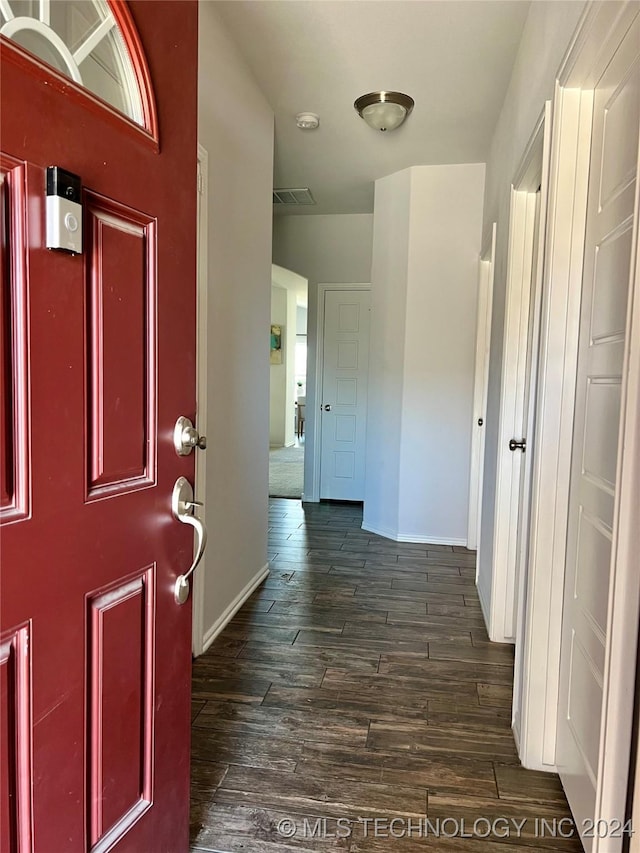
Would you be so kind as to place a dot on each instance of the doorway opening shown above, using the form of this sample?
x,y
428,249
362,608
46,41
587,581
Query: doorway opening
x,y
501,586
288,383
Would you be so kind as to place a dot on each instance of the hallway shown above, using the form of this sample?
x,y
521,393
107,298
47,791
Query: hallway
x,y
358,683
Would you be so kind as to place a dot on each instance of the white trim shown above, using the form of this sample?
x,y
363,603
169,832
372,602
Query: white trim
x,y
484,604
6,10
312,489
418,538
130,88
199,580
624,597
93,40
540,165
509,464
601,26
16,25
229,612
562,286
530,170
601,30
44,12
486,267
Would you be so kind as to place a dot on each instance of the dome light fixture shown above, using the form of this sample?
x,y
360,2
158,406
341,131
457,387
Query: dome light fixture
x,y
307,121
384,110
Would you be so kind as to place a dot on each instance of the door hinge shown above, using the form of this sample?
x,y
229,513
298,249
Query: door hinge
x,y
200,182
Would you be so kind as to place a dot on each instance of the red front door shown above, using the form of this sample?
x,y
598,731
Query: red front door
x,y
98,362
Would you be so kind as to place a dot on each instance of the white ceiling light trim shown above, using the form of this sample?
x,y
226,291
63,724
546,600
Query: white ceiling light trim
x,y
384,110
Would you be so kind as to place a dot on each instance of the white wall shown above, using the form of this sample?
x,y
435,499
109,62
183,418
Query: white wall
x,y
236,128
545,40
282,381
324,249
427,232
389,272
278,374
301,320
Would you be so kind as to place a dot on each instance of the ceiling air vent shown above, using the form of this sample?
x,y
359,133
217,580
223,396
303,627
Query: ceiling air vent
x,y
293,196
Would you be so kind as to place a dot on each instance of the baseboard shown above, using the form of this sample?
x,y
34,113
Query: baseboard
x,y
486,612
515,728
230,611
537,765
484,607
417,538
429,540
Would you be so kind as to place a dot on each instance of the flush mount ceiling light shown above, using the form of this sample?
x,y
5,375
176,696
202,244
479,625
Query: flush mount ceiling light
x,y
384,110
307,121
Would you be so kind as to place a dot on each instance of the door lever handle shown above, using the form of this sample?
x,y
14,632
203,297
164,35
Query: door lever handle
x,y
518,445
182,507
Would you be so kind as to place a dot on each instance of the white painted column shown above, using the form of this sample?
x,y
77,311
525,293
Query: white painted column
x,y
426,244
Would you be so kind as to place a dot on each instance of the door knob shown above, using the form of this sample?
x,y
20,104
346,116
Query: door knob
x,y
327,407
182,507
186,437
518,445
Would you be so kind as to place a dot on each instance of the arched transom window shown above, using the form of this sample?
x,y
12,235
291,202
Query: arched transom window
x,y
81,39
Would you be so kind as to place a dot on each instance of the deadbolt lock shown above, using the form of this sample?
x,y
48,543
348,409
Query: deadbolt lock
x,y
186,437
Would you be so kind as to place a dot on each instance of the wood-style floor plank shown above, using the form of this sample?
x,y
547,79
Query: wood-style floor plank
x,y
323,793
224,747
533,812
416,666
358,682
379,707
424,738
239,829
350,659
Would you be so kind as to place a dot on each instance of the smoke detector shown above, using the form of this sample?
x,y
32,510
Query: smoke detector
x,y
307,121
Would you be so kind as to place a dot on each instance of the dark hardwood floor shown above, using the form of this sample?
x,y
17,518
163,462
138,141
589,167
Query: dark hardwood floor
x,y
358,683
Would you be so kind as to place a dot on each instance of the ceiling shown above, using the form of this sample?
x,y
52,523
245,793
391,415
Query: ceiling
x,y
454,57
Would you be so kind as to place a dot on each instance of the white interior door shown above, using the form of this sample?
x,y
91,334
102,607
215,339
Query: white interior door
x,y
587,626
344,394
528,419
522,235
481,385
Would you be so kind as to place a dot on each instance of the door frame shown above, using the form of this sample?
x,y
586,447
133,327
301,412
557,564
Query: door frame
x,y
311,490
200,483
601,29
624,593
531,172
486,265
540,173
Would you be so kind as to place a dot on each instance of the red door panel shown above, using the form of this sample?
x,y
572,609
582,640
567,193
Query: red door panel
x,y
14,457
15,741
120,251
98,361
121,646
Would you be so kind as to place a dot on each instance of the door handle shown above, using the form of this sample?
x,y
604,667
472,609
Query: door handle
x,y
186,437
182,507
518,445
327,407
